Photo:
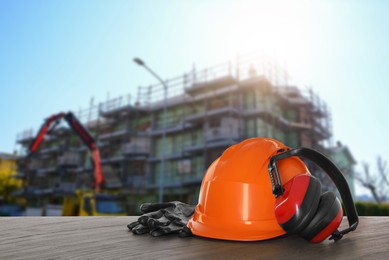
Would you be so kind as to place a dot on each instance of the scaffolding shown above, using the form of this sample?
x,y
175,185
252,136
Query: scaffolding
x,y
207,111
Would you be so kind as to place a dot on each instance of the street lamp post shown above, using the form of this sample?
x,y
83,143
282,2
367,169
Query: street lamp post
x,y
162,168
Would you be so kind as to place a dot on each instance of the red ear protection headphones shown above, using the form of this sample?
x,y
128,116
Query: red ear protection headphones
x,y
302,209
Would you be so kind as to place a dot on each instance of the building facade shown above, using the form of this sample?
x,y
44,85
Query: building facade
x,y
206,112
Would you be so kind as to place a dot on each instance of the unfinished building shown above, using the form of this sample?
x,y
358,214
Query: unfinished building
x,y
206,112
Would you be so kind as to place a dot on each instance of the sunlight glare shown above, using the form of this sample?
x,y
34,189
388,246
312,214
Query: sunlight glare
x,y
277,28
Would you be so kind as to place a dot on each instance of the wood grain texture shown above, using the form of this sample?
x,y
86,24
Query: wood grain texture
x,y
109,238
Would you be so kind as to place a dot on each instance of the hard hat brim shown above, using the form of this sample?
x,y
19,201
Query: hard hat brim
x,y
204,226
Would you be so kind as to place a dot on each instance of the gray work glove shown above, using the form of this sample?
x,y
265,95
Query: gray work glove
x,y
163,218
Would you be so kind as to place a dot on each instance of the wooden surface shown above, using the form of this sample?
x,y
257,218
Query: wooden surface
x,y
109,238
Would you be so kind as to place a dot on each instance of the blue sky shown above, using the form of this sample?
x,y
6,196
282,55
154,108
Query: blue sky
x,y
57,55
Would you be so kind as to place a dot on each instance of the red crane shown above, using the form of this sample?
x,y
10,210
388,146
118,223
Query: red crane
x,y
50,124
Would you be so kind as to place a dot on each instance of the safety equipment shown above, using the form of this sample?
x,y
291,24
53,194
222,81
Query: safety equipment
x,y
236,199
163,218
300,206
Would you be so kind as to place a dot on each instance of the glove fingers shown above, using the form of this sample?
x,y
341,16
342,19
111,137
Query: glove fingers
x,y
171,216
152,215
181,213
140,229
163,218
132,225
178,219
157,232
162,230
150,207
155,223
185,232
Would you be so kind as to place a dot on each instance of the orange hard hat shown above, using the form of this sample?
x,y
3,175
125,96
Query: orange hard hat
x,y
236,200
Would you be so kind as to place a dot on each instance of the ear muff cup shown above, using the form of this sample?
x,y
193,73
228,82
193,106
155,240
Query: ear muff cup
x,y
298,204
329,214
326,220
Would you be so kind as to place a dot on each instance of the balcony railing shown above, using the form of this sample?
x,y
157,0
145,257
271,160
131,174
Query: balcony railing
x,y
221,133
69,159
136,182
212,113
210,79
115,134
135,149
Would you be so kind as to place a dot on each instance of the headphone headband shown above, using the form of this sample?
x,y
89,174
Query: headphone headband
x,y
330,169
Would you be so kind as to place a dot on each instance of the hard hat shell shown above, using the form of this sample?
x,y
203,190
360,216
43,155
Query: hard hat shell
x,y
236,200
